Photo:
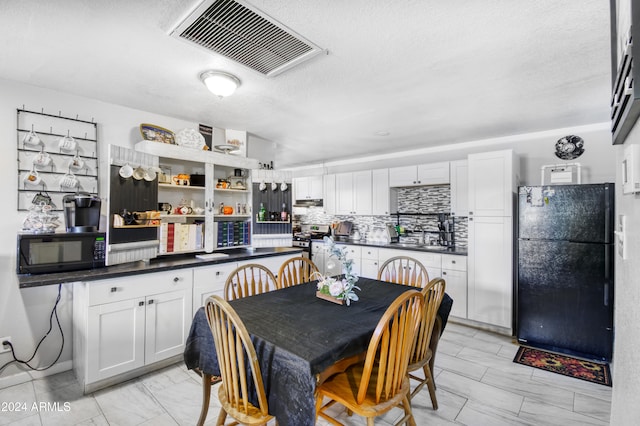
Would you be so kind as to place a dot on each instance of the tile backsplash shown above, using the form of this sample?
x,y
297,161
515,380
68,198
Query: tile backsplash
x,y
423,199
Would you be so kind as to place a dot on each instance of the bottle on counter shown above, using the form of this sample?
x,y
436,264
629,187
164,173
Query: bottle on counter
x,y
262,213
221,208
283,213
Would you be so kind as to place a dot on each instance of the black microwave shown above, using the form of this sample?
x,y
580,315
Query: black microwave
x,y
59,252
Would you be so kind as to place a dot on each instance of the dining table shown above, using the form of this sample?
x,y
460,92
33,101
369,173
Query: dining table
x,y
298,339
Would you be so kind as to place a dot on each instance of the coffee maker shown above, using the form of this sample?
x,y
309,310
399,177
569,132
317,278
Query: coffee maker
x,y
81,212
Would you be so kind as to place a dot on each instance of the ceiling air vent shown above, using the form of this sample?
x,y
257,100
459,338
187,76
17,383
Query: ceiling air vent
x,y
246,35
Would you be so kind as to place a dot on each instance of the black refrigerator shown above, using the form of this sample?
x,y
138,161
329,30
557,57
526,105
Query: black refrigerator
x,y
564,286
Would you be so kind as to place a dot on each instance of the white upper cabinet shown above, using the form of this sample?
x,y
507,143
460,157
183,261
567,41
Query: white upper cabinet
x,y
353,193
459,173
308,188
424,174
329,194
380,202
492,183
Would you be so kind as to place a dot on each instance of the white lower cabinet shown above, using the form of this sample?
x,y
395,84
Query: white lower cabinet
x,y
490,270
273,263
431,261
209,280
369,264
124,324
354,253
454,272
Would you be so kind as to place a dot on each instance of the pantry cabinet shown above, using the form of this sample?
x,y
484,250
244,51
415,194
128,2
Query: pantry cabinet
x,y
353,193
423,174
490,292
492,183
121,326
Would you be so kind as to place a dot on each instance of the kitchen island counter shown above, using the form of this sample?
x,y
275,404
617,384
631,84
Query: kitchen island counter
x,y
154,265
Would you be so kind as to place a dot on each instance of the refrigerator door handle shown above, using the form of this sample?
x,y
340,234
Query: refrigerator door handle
x,y
606,294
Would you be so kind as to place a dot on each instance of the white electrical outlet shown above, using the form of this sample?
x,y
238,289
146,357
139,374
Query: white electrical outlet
x,y
4,348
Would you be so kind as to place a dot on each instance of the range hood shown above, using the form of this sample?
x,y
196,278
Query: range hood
x,y
308,203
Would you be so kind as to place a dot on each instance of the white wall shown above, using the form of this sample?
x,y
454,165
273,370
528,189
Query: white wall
x,y
625,408
24,314
533,149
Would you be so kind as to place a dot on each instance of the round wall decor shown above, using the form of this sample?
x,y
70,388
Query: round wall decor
x,y
569,147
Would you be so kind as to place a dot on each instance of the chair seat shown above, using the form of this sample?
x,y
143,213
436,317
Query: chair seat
x,y
421,362
253,416
343,388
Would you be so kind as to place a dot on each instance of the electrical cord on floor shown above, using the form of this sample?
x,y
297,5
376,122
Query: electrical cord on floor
x,y
54,312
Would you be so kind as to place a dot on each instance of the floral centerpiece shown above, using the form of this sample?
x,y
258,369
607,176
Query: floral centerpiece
x,y
341,288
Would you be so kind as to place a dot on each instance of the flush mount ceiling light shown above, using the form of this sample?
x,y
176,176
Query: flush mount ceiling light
x,y
220,83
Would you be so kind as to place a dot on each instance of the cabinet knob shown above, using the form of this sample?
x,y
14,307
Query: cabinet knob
x,y
444,272
150,301
470,213
176,279
141,303
217,273
419,181
113,289
453,262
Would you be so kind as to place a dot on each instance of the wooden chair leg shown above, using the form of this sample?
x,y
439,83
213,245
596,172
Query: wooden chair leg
x,y
431,385
406,404
206,397
221,417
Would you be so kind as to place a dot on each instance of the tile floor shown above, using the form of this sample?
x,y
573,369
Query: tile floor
x,y
478,384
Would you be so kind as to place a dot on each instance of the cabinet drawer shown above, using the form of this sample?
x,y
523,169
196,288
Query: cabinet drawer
x,y
354,252
454,263
370,253
212,276
117,289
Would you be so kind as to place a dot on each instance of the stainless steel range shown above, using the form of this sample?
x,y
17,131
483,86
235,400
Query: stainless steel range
x,y
307,234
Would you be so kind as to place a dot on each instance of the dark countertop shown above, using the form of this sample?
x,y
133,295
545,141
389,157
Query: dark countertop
x,y
155,265
405,246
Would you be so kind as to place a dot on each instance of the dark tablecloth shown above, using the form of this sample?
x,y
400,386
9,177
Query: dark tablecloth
x,y
297,336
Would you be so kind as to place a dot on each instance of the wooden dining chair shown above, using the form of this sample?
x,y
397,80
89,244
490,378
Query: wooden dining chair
x,y
404,270
248,280
380,383
422,353
236,357
296,270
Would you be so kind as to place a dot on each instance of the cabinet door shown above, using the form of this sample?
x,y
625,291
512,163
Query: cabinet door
x,y
369,268
491,183
403,176
308,188
318,258
490,266
115,338
315,187
329,194
209,280
362,192
433,173
456,287
459,171
168,318
380,194
344,194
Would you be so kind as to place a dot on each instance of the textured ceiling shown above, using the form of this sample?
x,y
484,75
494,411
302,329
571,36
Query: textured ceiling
x,y
428,72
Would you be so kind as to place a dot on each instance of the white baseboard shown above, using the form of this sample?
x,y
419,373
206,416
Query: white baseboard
x,y
29,375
